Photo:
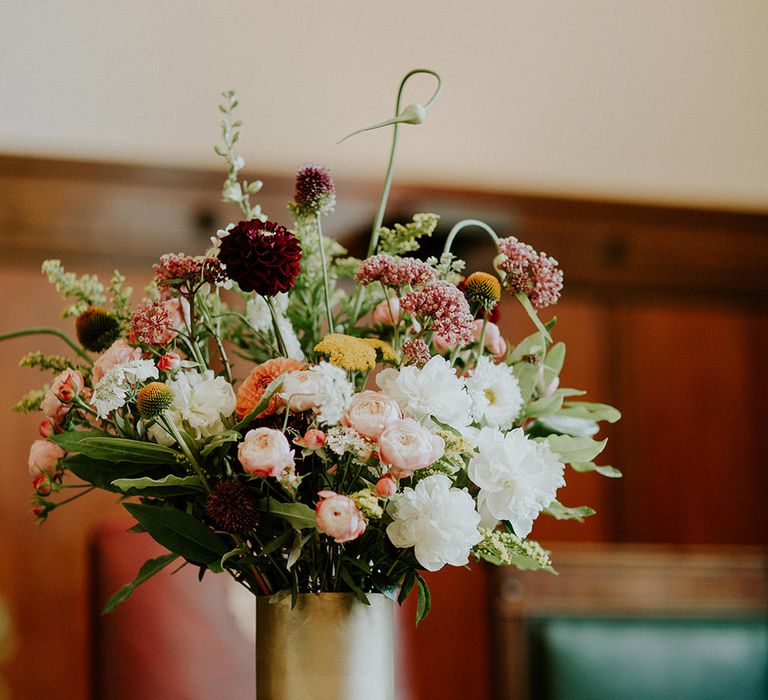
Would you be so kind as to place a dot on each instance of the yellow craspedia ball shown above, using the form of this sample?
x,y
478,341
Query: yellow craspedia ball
x,y
153,399
482,288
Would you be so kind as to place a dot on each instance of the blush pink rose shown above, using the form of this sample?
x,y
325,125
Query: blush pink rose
x,y
338,517
407,445
313,439
169,362
266,452
371,412
494,343
117,354
386,486
387,312
67,384
44,455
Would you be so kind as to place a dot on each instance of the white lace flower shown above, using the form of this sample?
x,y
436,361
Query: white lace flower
x,y
433,390
257,313
495,394
334,392
113,389
201,402
343,440
517,477
439,521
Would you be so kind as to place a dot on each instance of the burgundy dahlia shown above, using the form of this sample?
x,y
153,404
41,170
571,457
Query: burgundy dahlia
x,y
261,256
233,507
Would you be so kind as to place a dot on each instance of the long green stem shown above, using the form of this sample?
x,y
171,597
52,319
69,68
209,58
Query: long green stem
x,y
49,331
276,327
465,224
170,426
326,289
72,498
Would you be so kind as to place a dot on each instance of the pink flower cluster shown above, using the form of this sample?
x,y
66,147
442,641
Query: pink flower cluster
x,y
177,270
395,272
446,306
416,351
534,274
156,322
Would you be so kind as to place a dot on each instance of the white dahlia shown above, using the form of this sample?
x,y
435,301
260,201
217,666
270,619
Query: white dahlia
x,y
495,394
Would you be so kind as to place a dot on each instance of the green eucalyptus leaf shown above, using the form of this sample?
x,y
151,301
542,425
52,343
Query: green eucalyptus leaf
x,y
560,512
553,364
180,532
575,449
526,375
148,569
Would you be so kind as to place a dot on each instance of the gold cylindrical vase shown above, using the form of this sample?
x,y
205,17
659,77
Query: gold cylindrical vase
x,y
330,646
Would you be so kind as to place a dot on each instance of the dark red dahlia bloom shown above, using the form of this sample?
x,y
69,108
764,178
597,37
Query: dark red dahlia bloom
x,y
261,256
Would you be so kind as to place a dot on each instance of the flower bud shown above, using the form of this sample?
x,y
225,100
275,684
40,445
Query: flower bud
x,y
45,429
42,485
38,511
313,439
386,486
414,113
169,362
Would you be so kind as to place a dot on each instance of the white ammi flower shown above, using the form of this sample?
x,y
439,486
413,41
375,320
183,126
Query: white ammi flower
x,y
201,401
495,394
334,392
517,477
433,390
112,390
438,520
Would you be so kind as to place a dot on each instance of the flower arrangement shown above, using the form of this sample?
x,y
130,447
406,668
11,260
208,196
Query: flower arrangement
x,y
306,421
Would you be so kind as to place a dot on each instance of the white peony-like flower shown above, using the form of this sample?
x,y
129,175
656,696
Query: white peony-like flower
x,y
517,477
327,390
112,390
201,402
433,390
494,393
438,520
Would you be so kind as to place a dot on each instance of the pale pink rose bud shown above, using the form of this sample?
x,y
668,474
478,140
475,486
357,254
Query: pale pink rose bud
x,y
493,342
117,354
313,439
169,362
66,393
407,445
386,487
371,412
265,452
387,312
46,429
338,517
52,406
42,485
44,455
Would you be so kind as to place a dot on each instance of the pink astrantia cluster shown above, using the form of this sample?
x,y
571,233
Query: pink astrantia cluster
x,y
184,271
155,322
416,352
531,273
395,272
447,308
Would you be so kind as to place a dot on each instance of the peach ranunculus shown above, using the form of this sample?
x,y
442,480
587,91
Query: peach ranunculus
x,y
300,390
371,412
117,354
266,452
67,384
255,384
339,517
44,455
407,445
387,312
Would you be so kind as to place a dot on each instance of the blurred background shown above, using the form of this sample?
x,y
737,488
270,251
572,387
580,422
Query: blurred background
x,y
627,139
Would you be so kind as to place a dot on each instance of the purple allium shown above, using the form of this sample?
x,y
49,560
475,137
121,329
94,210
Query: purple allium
x,y
315,191
261,256
534,274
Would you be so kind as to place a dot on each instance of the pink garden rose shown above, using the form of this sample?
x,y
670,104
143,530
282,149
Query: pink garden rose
x,y
67,385
266,452
43,457
117,354
371,412
313,439
169,362
338,517
386,486
387,312
407,445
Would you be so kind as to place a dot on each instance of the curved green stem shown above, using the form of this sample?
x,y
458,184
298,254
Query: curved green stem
x,y
170,426
49,331
466,223
276,327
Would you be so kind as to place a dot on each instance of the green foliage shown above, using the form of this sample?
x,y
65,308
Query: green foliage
x,y
560,512
507,549
86,290
102,446
120,296
30,402
47,363
404,239
575,449
298,515
148,569
145,482
424,601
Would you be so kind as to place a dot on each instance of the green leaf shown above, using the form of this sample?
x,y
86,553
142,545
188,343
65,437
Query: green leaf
x,y
295,553
148,570
271,389
180,532
218,441
553,364
405,587
425,599
590,411
299,515
560,512
567,425
534,344
100,473
575,449
526,304
544,406
526,375
347,578
113,449
145,482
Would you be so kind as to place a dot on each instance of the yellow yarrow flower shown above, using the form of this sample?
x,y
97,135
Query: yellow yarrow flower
x,y
354,354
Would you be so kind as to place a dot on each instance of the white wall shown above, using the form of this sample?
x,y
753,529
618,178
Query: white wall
x,y
660,99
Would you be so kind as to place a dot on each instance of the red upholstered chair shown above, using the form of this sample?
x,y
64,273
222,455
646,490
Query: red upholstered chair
x,y
176,638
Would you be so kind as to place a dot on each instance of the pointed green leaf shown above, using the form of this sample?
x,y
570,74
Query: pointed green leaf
x,y
575,449
148,570
591,411
560,512
299,515
544,406
101,474
424,602
114,449
526,304
146,482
